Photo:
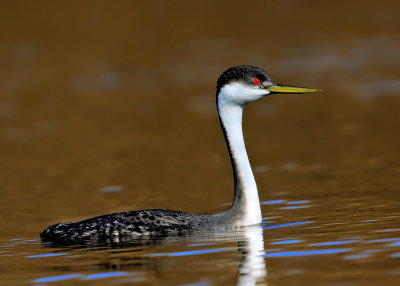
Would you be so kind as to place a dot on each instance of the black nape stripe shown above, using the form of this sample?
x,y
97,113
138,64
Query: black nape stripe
x,y
243,73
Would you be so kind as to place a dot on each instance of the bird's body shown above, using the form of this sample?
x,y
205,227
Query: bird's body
x,y
121,227
236,87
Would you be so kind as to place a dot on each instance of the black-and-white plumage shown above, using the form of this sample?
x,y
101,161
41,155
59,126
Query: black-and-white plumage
x,y
236,87
121,227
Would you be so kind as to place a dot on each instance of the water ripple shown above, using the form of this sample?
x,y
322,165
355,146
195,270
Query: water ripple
x,y
104,275
307,252
286,224
292,241
56,278
272,202
46,255
333,242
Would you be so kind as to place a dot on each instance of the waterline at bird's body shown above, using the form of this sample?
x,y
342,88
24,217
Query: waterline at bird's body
x,y
236,87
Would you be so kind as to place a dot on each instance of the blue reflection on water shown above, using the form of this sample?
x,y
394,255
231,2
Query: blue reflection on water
x,y
194,252
396,255
272,202
72,276
397,243
293,207
104,275
306,252
201,244
56,278
286,224
46,255
298,202
292,241
383,240
333,242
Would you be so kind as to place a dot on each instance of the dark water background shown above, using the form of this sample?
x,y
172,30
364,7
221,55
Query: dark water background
x,y
109,106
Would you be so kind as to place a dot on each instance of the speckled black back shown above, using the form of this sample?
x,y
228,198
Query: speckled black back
x,y
125,226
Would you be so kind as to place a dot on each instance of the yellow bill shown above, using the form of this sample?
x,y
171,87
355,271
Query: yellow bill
x,y
290,89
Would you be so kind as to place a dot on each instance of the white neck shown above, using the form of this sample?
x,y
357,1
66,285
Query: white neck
x,y
245,209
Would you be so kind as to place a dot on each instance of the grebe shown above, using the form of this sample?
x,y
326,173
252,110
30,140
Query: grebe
x,y
236,87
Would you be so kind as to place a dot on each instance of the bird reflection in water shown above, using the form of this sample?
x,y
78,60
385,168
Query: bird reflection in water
x,y
252,268
135,256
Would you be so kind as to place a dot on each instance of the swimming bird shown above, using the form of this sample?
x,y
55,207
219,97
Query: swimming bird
x,y
236,87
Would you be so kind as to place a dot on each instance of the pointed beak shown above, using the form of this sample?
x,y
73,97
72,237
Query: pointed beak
x,y
278,88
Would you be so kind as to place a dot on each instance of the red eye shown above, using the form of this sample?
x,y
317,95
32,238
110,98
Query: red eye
x,y
256,81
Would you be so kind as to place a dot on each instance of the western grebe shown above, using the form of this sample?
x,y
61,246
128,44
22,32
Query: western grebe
x,y
236,87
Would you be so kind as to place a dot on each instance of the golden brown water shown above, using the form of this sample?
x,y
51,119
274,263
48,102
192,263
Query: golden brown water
x,y
109,107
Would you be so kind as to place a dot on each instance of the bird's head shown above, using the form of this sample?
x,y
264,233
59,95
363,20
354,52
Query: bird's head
x,y
243,84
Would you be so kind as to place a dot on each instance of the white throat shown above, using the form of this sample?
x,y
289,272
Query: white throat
x,y
245,209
